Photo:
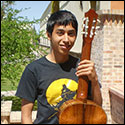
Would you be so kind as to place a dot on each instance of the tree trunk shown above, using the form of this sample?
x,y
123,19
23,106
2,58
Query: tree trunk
x,y
54,6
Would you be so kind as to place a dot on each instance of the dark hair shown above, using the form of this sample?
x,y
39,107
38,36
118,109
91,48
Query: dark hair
x,y
62,17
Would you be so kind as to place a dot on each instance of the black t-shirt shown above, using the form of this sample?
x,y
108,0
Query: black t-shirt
x,y
50,84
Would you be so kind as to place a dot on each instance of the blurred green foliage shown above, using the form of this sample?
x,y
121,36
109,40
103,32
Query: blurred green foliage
x,y
16,103
19,41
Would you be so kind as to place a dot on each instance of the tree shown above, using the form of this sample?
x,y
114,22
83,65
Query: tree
x,y
4,6
18,40
93,4
54,6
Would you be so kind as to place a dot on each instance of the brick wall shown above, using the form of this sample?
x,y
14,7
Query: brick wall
x,y
108,53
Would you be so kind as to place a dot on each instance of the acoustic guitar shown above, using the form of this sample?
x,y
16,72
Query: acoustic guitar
x,y
81,110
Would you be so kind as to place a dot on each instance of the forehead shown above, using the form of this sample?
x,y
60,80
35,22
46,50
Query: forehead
x,y
63,27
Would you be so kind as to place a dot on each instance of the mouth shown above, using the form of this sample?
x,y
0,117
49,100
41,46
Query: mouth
x,y
66,47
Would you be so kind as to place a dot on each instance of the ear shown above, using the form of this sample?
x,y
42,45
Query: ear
x,y
48,35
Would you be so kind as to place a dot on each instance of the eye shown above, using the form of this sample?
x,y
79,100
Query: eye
x,y
60,33
72,33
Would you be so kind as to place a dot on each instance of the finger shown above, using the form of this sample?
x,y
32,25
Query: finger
x,y
87,71
85,62
82,66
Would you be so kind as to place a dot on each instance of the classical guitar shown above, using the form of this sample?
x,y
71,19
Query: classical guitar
x,y
81,110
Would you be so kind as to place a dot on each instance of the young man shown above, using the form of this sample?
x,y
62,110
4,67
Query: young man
x,y
53,79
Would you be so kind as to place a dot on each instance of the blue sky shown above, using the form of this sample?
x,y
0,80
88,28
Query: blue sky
x,y
36,9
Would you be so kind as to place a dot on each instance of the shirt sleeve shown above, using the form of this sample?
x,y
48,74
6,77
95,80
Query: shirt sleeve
x,y
27,88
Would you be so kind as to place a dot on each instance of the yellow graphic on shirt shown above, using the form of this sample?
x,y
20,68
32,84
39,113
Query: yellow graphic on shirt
x,y
60,91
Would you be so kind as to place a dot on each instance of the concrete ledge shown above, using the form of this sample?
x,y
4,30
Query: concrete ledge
x,y
5,111
15,117
116,94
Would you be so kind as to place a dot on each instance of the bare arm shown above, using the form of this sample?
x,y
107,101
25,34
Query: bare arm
x,y
96,92
26,112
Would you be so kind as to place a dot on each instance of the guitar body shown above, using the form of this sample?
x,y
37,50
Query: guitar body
x,y
77,112
81,110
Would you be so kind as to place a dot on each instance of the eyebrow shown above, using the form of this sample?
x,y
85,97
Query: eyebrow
x,y
71,30
60,30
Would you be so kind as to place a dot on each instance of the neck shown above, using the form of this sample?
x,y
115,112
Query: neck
x,y
57,58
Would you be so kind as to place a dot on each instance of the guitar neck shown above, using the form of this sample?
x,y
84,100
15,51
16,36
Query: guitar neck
x,y
82,91
86,50
88,35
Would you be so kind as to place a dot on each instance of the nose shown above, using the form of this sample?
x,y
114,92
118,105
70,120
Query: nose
x,y
66,39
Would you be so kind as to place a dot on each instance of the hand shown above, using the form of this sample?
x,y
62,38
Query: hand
x,y
86,67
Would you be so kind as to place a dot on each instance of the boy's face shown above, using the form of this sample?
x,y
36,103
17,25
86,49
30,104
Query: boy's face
x,y
62,38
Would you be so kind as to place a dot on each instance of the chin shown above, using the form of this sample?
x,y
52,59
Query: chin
x,y
64,53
